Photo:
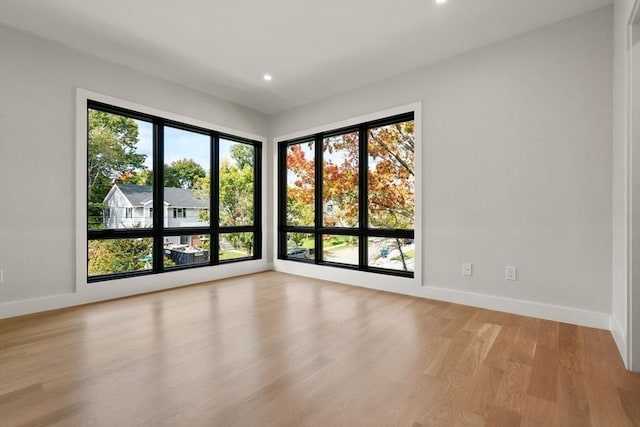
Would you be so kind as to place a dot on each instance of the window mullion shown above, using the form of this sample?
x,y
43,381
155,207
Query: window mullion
x,y
158,194
282,199
318,223
214,199
363,207
257,200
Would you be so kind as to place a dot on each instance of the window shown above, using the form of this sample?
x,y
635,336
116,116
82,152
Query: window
x,y
209,188
180,213
347,197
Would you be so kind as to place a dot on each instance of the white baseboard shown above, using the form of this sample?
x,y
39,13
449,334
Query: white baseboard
x,y
113,291
576,316
620,338
380,282
557,313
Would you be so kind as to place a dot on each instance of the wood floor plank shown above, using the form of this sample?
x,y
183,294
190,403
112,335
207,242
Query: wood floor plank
x,y
512,390
629,401
500,417
482,389
539,412
572,402
544,373
272,349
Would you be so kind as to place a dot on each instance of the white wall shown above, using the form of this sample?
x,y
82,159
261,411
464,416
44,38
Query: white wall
x,y
517,168
634,337
620,195
38,81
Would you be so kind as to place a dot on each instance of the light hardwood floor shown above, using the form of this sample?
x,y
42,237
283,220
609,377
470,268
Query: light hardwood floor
x,y
271,349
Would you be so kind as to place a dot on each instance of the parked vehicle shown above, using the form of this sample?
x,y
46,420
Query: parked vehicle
x,y
298,252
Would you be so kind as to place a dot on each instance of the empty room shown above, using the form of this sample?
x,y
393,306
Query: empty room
x,y
320,213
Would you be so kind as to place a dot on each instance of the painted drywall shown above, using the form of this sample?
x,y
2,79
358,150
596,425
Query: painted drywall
x,y
38,81
620,185
635,196
516,165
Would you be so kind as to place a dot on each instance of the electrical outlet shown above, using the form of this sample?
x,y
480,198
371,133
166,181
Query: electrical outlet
x,y
511,273
467,269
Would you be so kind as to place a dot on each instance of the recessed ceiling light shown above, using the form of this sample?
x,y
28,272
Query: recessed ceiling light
x,y
441,1
267,77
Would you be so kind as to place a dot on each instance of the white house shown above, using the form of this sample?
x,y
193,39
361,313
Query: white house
x,y
130,206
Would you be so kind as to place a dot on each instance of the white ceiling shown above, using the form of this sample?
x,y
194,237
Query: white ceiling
x,y
313,48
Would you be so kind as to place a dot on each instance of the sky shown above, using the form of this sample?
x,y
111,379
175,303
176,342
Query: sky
x,y
178,144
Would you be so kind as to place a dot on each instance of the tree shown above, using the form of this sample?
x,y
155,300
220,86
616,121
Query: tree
x,y
111,153
236,193
119,255
242,240
140,177
300,185
391,176
340,180
390,180
183,173
243,154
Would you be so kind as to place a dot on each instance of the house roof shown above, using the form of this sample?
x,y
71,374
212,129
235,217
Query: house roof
x,y
182,197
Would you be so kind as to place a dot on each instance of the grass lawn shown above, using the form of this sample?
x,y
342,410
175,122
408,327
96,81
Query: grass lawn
x,y
231,254
407,255
309,243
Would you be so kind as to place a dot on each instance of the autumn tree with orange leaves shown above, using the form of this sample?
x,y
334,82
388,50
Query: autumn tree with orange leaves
x,y
390,180
391,177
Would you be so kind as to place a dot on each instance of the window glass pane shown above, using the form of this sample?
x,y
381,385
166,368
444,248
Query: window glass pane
x,y
235,245
186,250
391,253
300,184
237,163
391,183
120,255
342,249
300,245
340,180
186,178
119,177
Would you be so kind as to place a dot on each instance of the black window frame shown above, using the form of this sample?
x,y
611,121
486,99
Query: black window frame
x,y
158,232
362,231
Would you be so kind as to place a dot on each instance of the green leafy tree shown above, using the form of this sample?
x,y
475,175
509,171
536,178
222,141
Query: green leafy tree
x,y
243,154
242,240
297,238
236,193
183,173
119,255
111,154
